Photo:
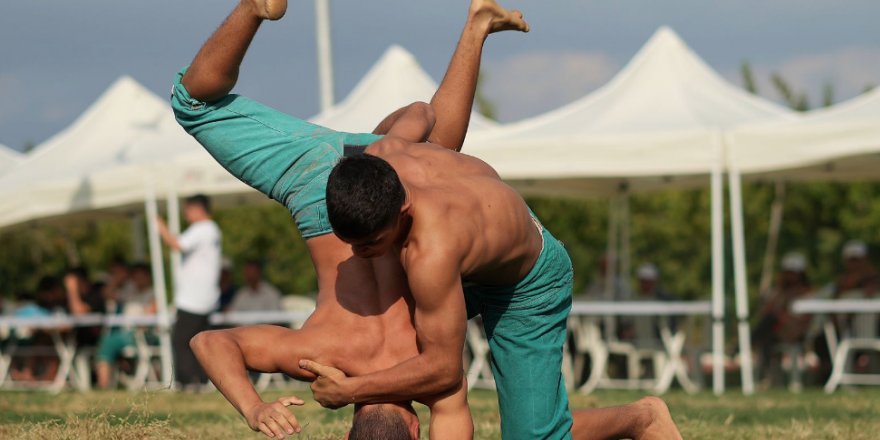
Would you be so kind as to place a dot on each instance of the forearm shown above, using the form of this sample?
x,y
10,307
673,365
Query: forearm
x,y
167,236
418,377
450,415
389,121
224,363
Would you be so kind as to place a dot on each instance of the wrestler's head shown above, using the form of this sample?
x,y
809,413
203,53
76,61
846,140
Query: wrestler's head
x,y
365,203
384,421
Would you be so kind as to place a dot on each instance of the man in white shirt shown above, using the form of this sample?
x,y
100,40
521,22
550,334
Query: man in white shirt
x,y
257,294
197,289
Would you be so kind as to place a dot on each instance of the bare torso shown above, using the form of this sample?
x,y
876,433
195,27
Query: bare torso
x,y
460,198
363,319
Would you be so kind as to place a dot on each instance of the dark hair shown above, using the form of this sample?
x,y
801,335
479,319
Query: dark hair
x,y
378,423
364,195
78,271
201,200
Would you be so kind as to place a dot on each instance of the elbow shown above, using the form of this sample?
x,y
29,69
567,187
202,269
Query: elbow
x,y
424,109
447,375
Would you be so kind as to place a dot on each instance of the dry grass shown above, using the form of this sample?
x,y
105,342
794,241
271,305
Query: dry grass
x,y
849,414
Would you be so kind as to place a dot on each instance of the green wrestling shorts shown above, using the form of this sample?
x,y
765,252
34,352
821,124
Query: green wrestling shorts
x,y
283,157
526,328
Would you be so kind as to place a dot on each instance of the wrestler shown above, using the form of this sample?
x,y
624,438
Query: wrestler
x,y
289,160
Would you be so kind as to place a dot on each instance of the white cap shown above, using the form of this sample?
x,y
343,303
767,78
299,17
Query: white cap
x,y
855,249
648,272
794,262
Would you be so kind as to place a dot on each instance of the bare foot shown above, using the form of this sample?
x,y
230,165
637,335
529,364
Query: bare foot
x,y
499,19
268,9
660,425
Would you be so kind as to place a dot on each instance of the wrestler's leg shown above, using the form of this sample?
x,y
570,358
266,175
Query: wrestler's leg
x,y
214,70
455,97
646,419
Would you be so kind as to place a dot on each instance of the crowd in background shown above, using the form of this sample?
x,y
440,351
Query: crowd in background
x,y
780,338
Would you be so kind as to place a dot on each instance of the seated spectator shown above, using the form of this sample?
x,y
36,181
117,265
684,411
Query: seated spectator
x,y
139,301
83,298
858,273
596,291
859,279
119,284
256,294
49,298
777,327
646,329
227,285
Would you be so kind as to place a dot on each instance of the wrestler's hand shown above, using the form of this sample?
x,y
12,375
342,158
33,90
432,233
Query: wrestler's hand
x,y
273,418
329,389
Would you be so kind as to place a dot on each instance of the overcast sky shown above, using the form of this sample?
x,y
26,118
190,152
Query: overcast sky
x,y
57,56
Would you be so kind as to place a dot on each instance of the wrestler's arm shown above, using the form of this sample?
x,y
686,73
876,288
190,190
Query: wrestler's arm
x,y
413,123
450,414
227,355
440,322
439,129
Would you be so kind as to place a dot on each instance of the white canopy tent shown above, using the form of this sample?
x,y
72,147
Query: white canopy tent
x,y
836,143
395,80
9,158
661,121
839,143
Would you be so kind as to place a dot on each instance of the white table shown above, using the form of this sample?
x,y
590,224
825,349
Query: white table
x,y
63,341
673,341
840,348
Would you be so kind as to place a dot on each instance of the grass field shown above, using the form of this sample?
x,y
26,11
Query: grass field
x,y
848,414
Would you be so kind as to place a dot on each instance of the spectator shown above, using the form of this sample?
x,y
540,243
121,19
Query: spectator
x,y
859,279
256,294
139,301
119,284
645,331
858,272
778,330
197,291
596,291
49,298
83,298
227,285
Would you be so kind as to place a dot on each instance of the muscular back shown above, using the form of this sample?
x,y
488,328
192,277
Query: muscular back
x,y
459,201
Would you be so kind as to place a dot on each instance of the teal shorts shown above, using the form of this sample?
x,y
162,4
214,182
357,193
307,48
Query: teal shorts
x,y
526,328
285,158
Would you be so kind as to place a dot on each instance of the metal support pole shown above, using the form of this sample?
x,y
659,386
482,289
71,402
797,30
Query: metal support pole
x,y
718,272
325,53
159,288
739,270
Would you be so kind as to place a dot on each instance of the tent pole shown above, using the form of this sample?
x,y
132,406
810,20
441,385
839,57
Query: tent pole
x,y
717,272
742,294
173,203
777,209
625,254
611,265
137,237
325,55
151,207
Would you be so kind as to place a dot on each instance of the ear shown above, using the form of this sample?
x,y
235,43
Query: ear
x,y
405,207
414,429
